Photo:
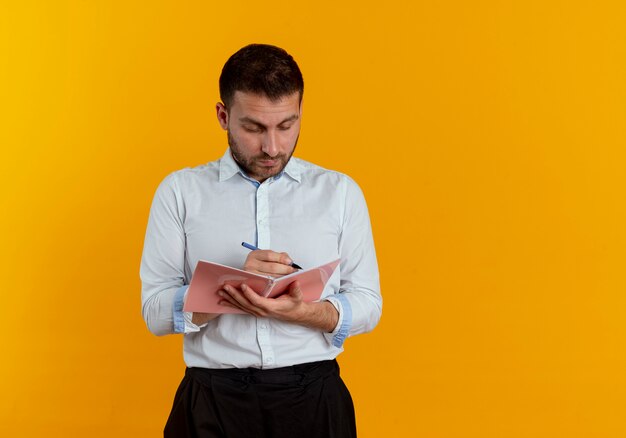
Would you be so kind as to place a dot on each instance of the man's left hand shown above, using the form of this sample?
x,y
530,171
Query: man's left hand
x,y
288,307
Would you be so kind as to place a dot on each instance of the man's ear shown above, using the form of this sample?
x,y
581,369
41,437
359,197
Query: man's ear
x,y
222,115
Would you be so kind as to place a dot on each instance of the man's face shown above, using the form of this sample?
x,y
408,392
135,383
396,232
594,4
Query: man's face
x,y
262,134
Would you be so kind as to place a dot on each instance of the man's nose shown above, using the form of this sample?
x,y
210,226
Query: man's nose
x,y
270,144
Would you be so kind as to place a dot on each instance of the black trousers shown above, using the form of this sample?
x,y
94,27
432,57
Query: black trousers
x,y
301,401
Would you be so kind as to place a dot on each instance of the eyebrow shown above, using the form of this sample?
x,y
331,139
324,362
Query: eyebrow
x,y
256,122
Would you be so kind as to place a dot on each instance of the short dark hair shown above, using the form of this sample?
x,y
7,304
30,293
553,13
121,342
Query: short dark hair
x,y
260,69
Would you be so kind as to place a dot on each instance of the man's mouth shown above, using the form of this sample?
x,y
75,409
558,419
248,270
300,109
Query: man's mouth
x,y
268,163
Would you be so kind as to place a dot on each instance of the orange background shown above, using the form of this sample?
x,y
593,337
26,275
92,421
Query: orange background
x,y
488,138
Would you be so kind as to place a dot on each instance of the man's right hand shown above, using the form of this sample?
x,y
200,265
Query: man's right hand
x,y
268,262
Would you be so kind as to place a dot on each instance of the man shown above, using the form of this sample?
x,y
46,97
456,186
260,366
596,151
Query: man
x,y
270,372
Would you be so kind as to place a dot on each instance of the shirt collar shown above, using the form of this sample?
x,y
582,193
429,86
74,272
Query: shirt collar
x,y
293,169
229,168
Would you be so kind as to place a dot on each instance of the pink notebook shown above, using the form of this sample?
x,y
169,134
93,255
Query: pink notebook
x,y
209,277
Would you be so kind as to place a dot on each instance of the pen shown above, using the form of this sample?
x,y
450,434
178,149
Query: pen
x,y
254,248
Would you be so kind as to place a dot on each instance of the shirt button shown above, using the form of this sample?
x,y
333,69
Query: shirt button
x,y
269,359
263,326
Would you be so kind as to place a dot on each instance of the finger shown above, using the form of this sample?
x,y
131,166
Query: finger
x,y
257,303
268,262
237,298
274,269
267,255
295,291
228,301
253,298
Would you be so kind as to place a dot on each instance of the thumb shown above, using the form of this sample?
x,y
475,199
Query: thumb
x,y
295,291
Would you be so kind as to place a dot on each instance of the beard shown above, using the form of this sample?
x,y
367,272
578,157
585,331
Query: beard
x,y
251,165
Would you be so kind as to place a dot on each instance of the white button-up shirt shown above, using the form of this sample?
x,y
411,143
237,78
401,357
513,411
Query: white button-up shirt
x,y
313,214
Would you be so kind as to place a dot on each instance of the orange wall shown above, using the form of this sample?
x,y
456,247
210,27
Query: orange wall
x,y
487,136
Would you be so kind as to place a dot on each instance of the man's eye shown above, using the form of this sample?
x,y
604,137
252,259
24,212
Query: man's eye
x,y
252,128
284,128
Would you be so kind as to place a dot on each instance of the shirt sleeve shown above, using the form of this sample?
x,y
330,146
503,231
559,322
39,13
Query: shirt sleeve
x,y
162,271
359,301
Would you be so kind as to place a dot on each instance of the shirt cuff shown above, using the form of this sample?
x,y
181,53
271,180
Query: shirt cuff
x,y
338,336
182,320
179,319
